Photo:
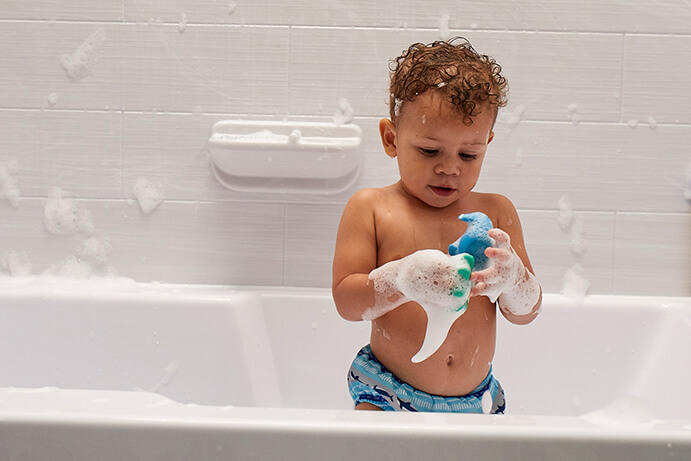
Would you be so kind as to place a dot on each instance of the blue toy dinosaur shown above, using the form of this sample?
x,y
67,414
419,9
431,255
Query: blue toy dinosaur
x,y
475,239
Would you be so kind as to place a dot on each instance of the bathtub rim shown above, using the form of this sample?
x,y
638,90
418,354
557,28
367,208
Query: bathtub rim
x,y
96,408
42,287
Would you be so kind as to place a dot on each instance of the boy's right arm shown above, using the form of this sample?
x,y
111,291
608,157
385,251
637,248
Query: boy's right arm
x,y
355,256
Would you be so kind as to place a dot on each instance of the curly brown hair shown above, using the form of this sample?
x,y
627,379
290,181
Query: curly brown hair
x,y
467,79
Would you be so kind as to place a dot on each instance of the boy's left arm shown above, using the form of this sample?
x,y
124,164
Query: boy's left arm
x,y
510,279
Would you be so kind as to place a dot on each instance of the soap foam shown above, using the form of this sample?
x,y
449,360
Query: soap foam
x,y
575,284
687,188
573,113
182,24
71,267
436,281
344,112
96,250
623,413
8,182
509,117
91,260
61,216
565,213
81,63
150,194
16,263
444,33
577,243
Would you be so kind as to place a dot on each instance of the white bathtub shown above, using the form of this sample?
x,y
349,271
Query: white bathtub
x,y
95,371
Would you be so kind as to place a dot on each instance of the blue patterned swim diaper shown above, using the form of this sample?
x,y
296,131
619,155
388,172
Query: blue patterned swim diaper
x,y
369,381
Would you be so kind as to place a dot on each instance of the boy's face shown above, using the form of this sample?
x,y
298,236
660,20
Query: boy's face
x,y
439,157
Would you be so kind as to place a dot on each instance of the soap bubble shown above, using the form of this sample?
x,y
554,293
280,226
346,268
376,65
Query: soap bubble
x,y
16,263
444,33
575,284
82,62
565,213
61,216
511,117
344,112
8,182
623,413
150,194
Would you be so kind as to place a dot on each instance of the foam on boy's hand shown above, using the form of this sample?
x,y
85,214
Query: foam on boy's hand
x,y
438,282
508,279
443,307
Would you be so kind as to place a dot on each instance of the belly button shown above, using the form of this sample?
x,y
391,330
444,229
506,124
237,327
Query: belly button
x,y
449,360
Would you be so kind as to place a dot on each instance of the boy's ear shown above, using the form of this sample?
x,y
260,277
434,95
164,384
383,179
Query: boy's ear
x,y
387,131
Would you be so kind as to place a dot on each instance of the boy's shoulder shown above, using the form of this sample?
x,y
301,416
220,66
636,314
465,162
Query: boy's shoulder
x,y
370,196
492,200
498,207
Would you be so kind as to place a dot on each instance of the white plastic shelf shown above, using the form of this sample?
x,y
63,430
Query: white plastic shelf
x,y
279,156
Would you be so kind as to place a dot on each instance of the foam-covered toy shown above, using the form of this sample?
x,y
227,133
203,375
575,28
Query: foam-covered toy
x,y
475,239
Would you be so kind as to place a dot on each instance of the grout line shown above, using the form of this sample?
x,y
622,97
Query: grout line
x,y
391,28
297,117
340,203
621,78
285,241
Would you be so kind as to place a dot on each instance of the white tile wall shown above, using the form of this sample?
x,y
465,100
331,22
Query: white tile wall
x,y
602,91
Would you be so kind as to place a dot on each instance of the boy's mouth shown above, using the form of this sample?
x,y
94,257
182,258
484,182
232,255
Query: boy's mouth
x,y
442,191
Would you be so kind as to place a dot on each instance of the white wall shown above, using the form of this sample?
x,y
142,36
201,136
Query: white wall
x,y
600,112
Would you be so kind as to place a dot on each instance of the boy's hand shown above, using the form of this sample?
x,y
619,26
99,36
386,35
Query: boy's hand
x,y
428,277
507,279
433,278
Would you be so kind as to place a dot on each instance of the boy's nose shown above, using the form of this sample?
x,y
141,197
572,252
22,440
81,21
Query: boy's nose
x,y
449,168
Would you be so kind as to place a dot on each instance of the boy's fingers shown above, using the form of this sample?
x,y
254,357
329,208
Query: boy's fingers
x,y
498,254
478,289
501,237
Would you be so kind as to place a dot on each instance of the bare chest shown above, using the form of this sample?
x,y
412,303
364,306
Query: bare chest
x,y
403,233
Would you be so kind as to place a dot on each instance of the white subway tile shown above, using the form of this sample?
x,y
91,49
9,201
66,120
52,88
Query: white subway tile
x,y
553,250
653,254
361,13
599,167
535,164
23,231
205,11
170,149
33,76
357,13
328,64
146,67
57,10
656,78
204,242
310,241
652,169
205,69
186,242
667,16
548,73
76,151
554,76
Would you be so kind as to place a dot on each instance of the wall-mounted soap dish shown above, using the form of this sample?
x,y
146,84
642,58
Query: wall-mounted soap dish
x,y
276,156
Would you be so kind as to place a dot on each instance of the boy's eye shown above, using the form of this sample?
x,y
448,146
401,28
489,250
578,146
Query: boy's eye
x,y
429,151
468,156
